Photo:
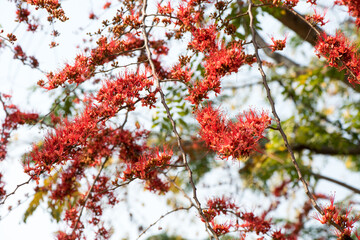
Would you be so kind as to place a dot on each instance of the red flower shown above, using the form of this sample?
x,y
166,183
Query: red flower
x,y
341,54
354,8
218,63
204,39
228,138
278,44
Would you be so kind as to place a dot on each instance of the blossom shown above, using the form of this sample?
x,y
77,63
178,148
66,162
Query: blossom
x,y
218,63
84,66
22,15
14,118
147,168
203,39
228,138
341,54
333,213
278,44
2,187
316,18
353,8
53,7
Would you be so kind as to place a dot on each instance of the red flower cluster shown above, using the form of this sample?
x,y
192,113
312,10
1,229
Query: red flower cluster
x,y
22,15
216,207
333,213
147,168
243,222
203,39
21,55
84,67
2,187
341,54
218,63
53,7
14,118
316,18
228,138
71,137
278,44
178,73
354,8
165,10
287,3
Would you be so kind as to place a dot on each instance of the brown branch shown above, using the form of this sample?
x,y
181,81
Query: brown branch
x,y
13,192
315,175
319,176
162,216
88,194
327,150
278,122
174,128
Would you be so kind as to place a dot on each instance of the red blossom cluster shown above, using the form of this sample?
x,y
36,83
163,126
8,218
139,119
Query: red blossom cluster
x,y
286,3
353,8
166,9
71,137
84,67
278,44
219,62
22,15
341,54
228,138
28,60
333,213
203,39
316,18
2,187
142,162
240,221
147,168
14,118
53,7
190,14
178,73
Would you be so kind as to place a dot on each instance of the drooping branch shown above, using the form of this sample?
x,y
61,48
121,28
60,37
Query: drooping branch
x,y
278,122
163,216
174,128
14,191
319,176
88,195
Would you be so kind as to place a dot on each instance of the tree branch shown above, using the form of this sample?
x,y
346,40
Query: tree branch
x,y
163,101
327,150
278,122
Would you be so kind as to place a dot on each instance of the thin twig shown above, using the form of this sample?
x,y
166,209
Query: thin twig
x,y
88,194
162,216
13,192
316,175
